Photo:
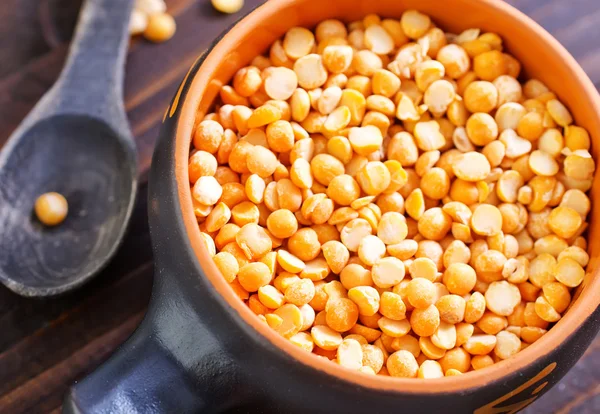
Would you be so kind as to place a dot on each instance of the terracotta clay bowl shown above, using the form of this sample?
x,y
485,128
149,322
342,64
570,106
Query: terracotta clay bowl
x,y
200,349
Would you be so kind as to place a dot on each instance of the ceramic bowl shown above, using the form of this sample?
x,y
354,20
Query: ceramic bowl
x,y
201,349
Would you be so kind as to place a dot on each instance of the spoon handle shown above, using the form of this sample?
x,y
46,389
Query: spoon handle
x,y
92,80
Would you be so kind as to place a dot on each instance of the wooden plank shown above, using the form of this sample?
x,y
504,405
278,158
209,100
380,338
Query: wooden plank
x,y
20,34
571,35
527,6
21,90
44,392
569,12
574,23
96,315
57,19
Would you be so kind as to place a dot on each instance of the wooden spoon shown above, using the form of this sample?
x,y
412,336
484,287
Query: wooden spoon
x,y
76,141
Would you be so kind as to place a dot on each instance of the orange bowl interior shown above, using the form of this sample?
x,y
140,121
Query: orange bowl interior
x,y
542,57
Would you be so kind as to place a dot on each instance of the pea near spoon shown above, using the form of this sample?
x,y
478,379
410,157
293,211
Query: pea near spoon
x,y
77,142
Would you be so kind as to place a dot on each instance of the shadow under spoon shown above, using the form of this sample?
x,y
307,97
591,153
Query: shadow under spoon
x,y
76,141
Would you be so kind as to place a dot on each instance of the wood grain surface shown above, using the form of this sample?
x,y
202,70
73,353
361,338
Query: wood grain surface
x,y
46,344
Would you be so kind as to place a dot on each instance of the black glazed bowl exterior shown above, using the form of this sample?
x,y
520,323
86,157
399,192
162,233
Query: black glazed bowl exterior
x,y
201,350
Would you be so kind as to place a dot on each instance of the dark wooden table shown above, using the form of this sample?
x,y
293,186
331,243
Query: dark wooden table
x,y
46,344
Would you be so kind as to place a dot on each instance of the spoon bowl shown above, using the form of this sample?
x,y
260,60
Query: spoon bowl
x,y
83,159
76,142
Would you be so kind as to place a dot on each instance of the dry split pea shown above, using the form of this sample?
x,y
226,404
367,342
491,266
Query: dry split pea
x,y
150,19
51,208
392,198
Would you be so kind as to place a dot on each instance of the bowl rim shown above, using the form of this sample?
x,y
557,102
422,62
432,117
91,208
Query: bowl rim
x,y
564,328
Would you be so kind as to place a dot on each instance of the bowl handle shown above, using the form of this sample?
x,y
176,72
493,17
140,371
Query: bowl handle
x,y
142,377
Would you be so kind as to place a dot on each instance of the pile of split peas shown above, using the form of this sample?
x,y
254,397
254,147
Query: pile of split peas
x,y
390,197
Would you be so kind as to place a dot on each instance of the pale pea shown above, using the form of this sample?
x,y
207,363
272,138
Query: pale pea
x,y
298,42
207,190
325,337
542,163
444,336
564,221
486,220
455,60
218,217
559,112
281,83
568,272
480,344
551,142
424,322
227,265
508,115
509,89
438,96
350,354
365,140
338,119
371,249
508,186
336,254
255,188
481,128
329,100
392,228
545,310
394,328
374,178
430,350
430,369
289,262
507,344
481,96
402,364
300,293
428,136
366,298
353,232
406,110
385,83
310,71
428,72
502,297
388,272
421,293
366,62
337,58
472,166
378,40
515,145
451,308
270,296
576,253
423,267
403,250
